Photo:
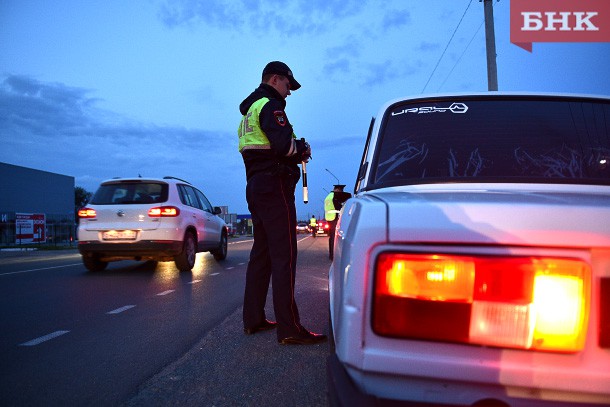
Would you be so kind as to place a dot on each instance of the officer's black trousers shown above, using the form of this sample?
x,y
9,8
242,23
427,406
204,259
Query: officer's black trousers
x,y
274,252
331,237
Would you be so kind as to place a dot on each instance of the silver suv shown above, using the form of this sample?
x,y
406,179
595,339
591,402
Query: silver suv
x,y
149,219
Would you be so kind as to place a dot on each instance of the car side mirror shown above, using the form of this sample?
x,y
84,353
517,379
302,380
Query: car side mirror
x,y
217,210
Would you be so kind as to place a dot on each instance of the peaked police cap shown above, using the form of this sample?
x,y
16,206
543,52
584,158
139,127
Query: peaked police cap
x,y
280,68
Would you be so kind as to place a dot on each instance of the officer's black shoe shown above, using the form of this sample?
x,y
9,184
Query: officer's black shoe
x,y
303,338
264,326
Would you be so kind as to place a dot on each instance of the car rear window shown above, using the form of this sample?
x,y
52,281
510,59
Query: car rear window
x,y
533,140
128,192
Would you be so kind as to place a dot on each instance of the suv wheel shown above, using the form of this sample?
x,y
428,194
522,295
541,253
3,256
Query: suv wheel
x,y
221,252
93,263
185,261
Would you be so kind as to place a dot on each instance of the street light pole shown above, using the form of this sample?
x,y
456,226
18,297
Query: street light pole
x,y
338,182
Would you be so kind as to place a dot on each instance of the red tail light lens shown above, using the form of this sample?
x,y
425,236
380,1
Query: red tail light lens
x,y
164,212
87,213
517,302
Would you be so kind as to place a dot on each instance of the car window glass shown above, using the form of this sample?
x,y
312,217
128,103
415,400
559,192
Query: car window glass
x,y
130,193
189,197
204,201
494,141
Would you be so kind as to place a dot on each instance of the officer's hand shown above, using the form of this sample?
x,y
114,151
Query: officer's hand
x,y
303,150
307,154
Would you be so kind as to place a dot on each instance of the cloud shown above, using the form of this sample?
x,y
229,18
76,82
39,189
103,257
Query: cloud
x,y
58,128
41,108
428,46
396,19
289,18
337,67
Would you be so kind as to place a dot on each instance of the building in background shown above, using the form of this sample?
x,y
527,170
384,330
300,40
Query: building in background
x,y
35,206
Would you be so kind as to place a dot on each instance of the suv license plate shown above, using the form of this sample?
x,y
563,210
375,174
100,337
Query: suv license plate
x,y
119,235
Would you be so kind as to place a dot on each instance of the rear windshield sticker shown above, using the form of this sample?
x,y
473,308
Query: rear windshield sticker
x,y
454,108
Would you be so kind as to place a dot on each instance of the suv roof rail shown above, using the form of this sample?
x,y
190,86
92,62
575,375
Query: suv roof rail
x,y
179,179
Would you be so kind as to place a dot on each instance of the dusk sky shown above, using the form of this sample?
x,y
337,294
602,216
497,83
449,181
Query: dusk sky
x,y
99,89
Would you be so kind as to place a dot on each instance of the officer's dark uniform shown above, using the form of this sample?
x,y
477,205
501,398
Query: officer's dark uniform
x,y
271,153
332,205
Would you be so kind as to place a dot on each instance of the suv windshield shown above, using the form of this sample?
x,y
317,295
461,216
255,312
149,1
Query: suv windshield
x,y
130,192
501,139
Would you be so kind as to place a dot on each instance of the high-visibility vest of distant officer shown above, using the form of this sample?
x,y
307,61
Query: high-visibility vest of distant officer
x,y
334,201
313,222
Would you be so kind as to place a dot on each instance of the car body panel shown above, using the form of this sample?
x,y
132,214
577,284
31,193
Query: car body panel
x,y
470,215
157,238
559,220
322,227
303,227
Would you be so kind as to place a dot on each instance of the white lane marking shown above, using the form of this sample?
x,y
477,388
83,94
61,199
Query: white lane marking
x,y
194,282
45,338
240,264
230,268
242,241
166,292
214,274
44,268
119,310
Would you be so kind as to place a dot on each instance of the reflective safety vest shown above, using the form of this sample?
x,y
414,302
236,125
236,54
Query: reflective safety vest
x,y
330,213
251,137
312,222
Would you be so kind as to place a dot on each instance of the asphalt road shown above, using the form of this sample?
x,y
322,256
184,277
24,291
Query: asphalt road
x,y
145,334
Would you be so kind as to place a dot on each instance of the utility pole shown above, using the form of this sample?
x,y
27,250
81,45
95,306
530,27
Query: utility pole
x,y
490,45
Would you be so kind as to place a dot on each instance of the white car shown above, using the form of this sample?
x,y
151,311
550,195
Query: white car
x,y
149,219
472,265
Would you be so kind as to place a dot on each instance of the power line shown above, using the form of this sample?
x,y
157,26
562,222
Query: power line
x,y
460,58
447,46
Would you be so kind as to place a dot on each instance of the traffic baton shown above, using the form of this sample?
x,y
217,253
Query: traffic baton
x,y
305,191
304,176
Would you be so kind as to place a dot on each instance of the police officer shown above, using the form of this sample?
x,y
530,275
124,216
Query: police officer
x,y
271,152
313,224
332,206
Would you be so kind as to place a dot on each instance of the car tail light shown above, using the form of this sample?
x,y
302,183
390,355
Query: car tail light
x,y
163,212
87,213
517,302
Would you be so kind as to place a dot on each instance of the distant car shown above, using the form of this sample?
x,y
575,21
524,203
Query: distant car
x,y
472,266
322,228
302,227
231,229
149,219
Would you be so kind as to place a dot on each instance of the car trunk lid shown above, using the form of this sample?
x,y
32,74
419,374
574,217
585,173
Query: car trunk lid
x,y
487,214
122,217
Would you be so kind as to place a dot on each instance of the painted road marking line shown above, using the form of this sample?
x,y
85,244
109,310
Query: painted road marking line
x,y
44,268
230,268
45,338
194,282
242,241
119,310
240,264
214,274
166,292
